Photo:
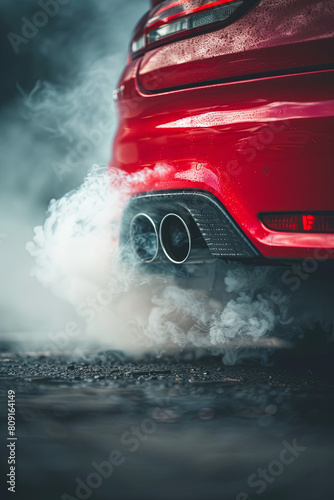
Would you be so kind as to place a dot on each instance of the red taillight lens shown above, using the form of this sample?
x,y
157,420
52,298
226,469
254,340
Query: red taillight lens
x,y
299,223
178,18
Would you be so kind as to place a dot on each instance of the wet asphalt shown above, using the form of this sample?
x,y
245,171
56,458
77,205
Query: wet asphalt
x,y
182,427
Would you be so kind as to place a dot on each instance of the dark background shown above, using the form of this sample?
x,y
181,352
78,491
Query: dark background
x,y
54,92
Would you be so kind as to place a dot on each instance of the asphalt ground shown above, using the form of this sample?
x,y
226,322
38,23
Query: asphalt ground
x,y
181,427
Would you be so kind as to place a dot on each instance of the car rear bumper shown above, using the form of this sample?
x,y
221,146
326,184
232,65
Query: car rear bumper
x,y
262,145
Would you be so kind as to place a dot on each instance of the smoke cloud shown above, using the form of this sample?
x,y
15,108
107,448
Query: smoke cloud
x,y
56,121
77,256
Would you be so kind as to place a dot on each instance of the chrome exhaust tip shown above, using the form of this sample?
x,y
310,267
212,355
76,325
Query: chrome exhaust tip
x,y
144,238
175,238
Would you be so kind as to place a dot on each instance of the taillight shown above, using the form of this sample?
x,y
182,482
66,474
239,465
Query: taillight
x,y
180,18
299,223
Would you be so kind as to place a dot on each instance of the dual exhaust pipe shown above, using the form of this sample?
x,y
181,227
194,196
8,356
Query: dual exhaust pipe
x,y
178,239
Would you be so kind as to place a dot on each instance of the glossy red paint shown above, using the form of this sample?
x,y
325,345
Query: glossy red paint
x,y
272,36
259,135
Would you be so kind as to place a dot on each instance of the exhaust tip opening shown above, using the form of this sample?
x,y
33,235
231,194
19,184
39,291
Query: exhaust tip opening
x,y
144,238
175,238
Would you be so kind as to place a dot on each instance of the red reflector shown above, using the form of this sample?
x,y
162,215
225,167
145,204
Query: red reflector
x,y
308,221
299,223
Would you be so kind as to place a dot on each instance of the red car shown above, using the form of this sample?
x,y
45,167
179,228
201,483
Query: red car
x,y
226,113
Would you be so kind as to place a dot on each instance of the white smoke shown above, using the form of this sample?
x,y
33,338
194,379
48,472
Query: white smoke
x,y
76,255
57,122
